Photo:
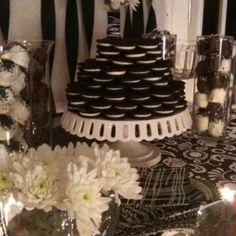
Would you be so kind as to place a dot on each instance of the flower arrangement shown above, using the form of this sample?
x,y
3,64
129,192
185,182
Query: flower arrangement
x,y
72,179
116,4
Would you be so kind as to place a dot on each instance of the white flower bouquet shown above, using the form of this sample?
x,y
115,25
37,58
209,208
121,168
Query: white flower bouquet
x,y
72,179
116,4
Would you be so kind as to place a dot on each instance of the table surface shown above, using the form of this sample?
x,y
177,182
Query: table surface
x,y
192,168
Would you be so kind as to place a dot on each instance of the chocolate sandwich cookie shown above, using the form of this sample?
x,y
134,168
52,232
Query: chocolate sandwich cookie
x,y
140,87
124,45
122,62
171,101
139,70
73,88
148,43
142,114
90,94
103,79
89,113
85,76
167,73
146,60
91,85
116,71
102,59
134,54
181,105
114,97
161,93
109,52
114,114
152,104
91,65
153,76
131,80
105,42
115,87
164,110
177,85
162,65
72,108
216,111
163,83
77,101
139,97
157,52
100,105
126,106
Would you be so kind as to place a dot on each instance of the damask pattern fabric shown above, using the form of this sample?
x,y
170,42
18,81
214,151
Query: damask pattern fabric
x,y
187,177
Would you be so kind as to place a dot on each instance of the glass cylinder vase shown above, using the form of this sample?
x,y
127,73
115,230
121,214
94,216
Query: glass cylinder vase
x,y
212,100
25,95
55,223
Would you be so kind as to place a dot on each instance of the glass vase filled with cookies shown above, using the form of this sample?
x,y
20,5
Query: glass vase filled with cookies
x,y
212,96
25,104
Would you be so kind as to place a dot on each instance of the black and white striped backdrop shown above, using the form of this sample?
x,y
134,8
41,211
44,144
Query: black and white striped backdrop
x,y
75,25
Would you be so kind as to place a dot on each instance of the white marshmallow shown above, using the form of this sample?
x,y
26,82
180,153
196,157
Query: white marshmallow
x,y
8,73
19,84
225,65
201,100
202,122
18,55
19,112
216,128
217,95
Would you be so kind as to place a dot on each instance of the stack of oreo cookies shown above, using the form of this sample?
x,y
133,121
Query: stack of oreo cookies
x,y
213,81
127,80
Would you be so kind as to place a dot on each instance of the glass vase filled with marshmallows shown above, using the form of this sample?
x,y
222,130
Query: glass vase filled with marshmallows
x,y
212,101
24,96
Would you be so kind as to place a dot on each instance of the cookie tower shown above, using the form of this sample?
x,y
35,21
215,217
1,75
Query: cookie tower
x,y
129,79
211,98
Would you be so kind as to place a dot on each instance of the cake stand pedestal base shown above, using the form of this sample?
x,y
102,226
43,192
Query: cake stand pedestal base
x,y
140,154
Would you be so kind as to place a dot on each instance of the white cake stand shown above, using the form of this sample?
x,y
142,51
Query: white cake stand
x,y
129,136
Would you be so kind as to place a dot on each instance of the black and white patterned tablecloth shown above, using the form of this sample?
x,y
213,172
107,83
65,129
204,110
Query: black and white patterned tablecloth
x,y
186,177
213,161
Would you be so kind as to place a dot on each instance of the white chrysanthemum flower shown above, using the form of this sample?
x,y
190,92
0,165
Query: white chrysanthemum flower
x,y
38,186
133,3
117,175
116,4
84,201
